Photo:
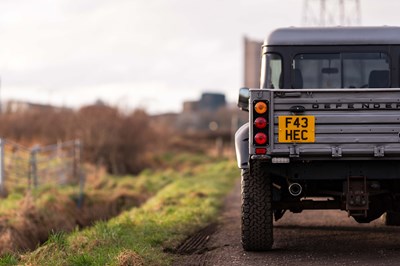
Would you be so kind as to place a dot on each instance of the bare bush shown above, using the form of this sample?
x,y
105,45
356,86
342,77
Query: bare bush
x,y
37,126
115,140
123,143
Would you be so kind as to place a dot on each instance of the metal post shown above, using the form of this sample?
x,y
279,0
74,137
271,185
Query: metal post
x,y
322,15
59,149
76,159
80,172
342,12
81,196
33,167
30,172
2,172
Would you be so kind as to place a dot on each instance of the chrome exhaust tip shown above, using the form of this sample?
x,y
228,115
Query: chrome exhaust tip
x,y
295,189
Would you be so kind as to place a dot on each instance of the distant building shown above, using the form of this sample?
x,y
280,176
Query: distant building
x,y
190,106
212,101
208,102
197,115
13,106
252,63
166,119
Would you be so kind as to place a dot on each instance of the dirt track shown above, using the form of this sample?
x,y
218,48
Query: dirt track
x,y
309,238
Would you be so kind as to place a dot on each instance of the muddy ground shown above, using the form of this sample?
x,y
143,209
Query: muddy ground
x,y
308,238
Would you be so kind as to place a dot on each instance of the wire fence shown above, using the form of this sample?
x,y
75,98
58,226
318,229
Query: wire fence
x,y
23,168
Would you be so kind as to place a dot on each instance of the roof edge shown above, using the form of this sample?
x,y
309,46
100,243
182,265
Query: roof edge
x,y
334,36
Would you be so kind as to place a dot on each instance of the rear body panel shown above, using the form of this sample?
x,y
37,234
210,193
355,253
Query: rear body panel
x,y
348,123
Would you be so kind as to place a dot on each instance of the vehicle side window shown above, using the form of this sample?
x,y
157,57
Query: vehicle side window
x,y
271,71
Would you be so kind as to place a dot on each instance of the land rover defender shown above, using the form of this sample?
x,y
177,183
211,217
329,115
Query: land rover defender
x,y
323,130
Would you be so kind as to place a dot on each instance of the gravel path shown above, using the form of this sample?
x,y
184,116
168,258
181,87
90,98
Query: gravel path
x,y
308,238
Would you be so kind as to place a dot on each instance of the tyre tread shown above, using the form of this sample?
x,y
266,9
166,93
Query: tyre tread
x,y
257,225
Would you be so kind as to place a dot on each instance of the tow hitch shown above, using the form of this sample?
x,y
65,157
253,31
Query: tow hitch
x,y
357,195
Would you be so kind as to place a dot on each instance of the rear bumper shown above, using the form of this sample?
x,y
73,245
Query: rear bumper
x,y
337,169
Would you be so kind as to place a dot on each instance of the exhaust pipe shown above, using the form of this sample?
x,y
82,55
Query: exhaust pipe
x,y
295,189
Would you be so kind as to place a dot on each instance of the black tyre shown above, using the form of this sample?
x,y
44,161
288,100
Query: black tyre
x,y
257,226
392,218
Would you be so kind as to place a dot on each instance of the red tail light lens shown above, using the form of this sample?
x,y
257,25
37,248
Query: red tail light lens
x,y
260,138
261,151
260,122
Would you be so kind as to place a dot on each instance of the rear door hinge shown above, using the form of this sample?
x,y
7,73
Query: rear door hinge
x,y
294,151
379,151
336,152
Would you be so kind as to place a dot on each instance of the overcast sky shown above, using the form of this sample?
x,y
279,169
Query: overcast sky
x,y
152,54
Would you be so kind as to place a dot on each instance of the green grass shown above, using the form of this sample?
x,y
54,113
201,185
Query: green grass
x,y
57,238
50,207
11,203
9,259
189,202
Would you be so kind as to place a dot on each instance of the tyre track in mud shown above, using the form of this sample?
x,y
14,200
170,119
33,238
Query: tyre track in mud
x,y
309,238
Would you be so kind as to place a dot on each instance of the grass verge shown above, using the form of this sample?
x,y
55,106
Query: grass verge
x,y
139,236
28,220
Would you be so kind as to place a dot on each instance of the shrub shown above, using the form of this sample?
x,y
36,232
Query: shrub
x,y
110,138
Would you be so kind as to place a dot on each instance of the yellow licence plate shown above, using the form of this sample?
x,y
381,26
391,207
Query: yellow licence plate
x,y
296,129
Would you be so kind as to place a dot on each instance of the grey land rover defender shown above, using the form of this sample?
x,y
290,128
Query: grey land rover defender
x,y
324,128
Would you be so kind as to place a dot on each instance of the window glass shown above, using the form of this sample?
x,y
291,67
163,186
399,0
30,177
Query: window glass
x,y
271,69
365,70
340,70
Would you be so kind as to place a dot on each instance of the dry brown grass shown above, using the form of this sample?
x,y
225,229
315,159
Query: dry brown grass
x,y
31,224
129,258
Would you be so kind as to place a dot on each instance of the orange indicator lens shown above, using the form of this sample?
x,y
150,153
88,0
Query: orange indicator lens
x,y
260,107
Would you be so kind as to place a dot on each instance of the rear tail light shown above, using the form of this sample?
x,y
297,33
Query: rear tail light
x,y
261,107
260,138
260,122
261,151
260,125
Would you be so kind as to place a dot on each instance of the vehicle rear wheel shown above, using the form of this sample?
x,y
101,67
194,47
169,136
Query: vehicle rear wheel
x,y
257,226
392,218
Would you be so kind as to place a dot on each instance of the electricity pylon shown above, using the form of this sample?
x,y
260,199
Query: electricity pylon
x,y
331,13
